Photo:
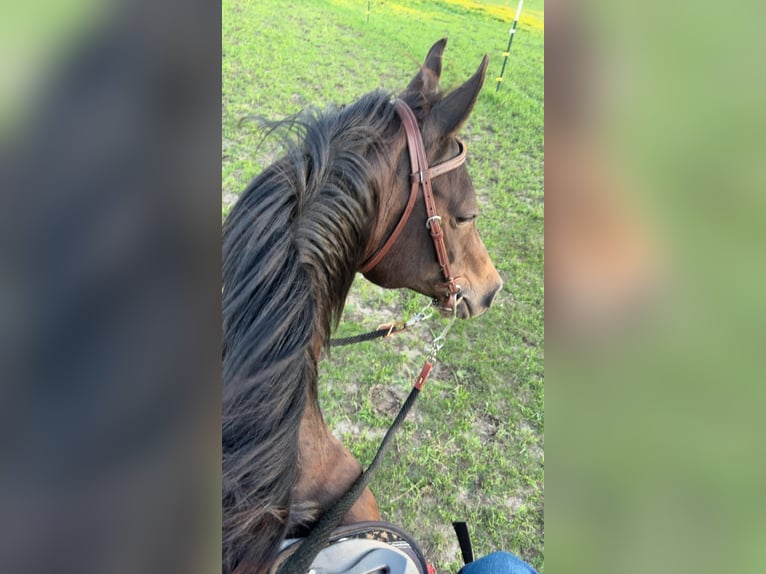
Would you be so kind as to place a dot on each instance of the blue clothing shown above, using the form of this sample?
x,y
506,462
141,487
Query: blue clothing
x,y
498,563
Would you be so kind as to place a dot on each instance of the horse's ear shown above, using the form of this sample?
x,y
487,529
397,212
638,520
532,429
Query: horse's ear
x,y
426,80
450,113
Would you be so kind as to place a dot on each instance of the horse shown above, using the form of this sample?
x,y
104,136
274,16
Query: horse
x,y
339,201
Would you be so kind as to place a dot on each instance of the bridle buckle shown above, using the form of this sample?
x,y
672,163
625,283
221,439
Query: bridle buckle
x,y
432,218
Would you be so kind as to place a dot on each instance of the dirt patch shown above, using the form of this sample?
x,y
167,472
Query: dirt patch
x,y
487,426
359,309
386,400
347,428
514,503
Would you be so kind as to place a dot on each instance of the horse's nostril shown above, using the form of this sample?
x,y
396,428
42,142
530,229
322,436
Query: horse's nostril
x,y
490,297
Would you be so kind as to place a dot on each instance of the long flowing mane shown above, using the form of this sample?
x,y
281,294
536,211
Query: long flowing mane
x,y
291,245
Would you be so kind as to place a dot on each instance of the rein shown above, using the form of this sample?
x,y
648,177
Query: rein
x,y
303,553
421,177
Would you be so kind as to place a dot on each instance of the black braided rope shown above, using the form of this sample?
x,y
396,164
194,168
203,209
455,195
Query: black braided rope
x,y
300,561
377,334
359,338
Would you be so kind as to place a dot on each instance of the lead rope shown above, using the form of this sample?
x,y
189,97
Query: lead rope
x,y
384,330
300,561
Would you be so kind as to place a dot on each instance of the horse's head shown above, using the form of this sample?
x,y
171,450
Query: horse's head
x,y
410,260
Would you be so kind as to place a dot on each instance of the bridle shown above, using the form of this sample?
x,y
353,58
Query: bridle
x,y
421,177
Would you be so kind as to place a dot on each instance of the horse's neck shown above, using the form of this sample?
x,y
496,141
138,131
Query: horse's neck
x,y
326,468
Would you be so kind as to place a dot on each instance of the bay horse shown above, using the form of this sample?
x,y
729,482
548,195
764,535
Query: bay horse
x,y
292,245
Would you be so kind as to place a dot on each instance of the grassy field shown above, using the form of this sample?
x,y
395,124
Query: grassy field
x,y
473,447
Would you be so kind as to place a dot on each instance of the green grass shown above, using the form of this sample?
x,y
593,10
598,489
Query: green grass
x,y
473,447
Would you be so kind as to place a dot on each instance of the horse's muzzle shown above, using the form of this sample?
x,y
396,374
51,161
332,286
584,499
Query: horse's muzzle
x,y
469,304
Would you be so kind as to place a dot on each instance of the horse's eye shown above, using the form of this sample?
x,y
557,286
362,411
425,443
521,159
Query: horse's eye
x,y
465,219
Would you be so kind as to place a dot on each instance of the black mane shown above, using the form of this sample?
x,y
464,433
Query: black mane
x,y
291,246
